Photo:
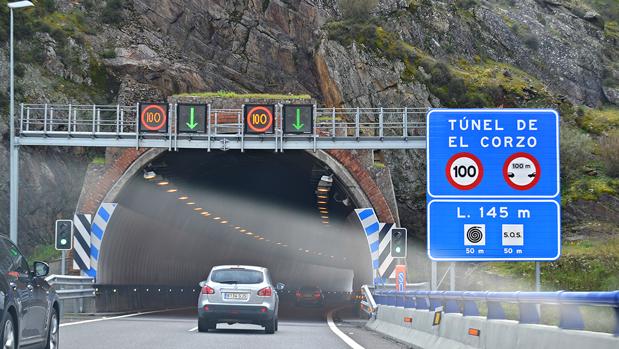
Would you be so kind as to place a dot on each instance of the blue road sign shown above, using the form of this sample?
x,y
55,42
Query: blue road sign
x,y
492,172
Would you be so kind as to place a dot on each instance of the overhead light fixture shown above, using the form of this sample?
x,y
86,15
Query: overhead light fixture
x,y
149,174
284,245
191,203
198,209
224,222
172,190
323,190
205,213
183,197
323,197
20,4
306,251
278,243
162,183
216,218
242,230
325,222
249,233
324,217
237,227
322,202
261,238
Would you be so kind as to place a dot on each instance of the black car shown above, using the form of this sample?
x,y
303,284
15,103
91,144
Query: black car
x,y
29,306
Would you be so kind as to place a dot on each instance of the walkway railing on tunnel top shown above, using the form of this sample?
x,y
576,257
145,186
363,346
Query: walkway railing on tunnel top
x,y
117,125
528,303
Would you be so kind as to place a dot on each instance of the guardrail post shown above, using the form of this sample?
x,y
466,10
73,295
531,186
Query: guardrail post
x,y
45,120
405,123
571,318
333,123
380,124
495,310
27,118
69,121
94,115
529,313
21,117
616,321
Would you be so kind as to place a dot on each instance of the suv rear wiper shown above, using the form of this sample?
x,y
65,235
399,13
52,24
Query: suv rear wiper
x,y
228,282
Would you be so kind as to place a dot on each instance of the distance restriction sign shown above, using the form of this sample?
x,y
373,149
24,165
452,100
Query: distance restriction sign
x,y
259,118
191,117
154,117
298,118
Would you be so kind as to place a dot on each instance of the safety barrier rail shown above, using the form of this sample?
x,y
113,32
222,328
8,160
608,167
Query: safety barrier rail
x,y
75,288
118,125
466,303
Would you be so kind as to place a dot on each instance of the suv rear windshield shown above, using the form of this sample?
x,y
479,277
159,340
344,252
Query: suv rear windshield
x,y
237,276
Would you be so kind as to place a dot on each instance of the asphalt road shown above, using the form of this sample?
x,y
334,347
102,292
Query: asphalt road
x,y
298,328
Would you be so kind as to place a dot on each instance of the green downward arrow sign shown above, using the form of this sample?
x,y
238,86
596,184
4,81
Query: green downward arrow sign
x,y
192,116
298,125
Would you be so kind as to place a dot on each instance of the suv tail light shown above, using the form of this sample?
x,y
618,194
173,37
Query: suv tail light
x,y
207,290
265,292
316,294
299,294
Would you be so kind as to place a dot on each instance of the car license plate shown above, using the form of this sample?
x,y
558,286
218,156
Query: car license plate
x,y
235,296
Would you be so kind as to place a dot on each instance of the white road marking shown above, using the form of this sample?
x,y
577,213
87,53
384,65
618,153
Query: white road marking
x,y
193,329
351,343
120,316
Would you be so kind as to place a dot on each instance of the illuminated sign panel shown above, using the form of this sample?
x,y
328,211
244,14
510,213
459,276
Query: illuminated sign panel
x,y
259,118
154,117
298,118
191,118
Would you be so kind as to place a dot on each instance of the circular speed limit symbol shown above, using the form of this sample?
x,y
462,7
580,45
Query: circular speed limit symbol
x,y
259,119
464,171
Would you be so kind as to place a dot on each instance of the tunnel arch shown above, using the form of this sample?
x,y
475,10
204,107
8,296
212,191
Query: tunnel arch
x,y
124,166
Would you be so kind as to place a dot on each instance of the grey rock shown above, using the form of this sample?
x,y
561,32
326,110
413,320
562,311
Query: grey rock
x,y
612,94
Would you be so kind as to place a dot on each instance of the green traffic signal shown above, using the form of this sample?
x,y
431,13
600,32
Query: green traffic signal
x,y
398,242
64,234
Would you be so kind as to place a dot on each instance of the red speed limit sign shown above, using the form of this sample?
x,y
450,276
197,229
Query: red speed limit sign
x,y
153,117
464,171
258,118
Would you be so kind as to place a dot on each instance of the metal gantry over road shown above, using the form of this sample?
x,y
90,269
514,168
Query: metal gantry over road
x,y
257,126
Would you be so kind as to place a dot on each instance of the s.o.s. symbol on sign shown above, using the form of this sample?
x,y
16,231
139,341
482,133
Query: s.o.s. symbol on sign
x,y
464,171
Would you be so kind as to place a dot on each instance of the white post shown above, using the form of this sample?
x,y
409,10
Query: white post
x,y
538,277
433,283
452,277
14,154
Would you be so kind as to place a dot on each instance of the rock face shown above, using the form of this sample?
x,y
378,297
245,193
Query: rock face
x,y
159,48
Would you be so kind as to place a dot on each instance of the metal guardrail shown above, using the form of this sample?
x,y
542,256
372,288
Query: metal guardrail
x,y
116,125
72,287
466,303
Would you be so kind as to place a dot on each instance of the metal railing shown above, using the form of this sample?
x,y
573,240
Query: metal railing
x,y
117,125
466,303
75,288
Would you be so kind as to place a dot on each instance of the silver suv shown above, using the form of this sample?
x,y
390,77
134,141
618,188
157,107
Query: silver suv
x,y
238,294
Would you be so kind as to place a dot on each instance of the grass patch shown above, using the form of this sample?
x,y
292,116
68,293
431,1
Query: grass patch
x,y
45,253
228,94
584,266
599,121
98,160
590,188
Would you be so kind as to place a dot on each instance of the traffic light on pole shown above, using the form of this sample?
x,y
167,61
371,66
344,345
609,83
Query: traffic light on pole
x,y
398,242
64,234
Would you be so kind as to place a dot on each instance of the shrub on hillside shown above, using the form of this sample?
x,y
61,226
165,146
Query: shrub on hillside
x,y
609,152
576,151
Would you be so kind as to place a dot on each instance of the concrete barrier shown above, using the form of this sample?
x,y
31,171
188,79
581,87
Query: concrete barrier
x,y
453,332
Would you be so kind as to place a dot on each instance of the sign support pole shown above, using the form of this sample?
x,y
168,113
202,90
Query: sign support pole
x,y
433,285
452,276
538,277
63,263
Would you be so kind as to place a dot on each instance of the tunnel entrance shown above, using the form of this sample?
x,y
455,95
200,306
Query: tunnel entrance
x,y
187,211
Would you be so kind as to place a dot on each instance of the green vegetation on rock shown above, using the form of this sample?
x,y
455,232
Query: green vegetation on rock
x,y
228,94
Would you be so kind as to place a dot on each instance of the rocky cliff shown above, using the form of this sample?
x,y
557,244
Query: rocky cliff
x,y
473,53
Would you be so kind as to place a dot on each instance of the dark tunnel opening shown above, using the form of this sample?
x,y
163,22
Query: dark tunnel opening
x,y
212,208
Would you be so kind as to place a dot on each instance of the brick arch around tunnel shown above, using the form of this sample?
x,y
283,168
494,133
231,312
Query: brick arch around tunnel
x,y
104,183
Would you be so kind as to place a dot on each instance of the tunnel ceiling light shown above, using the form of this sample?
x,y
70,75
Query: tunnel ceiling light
x,y
300,249
284,245
224,222
237,227
323,196
261,238
249,233
322,202
323,190
162,183
278,243
149,175
191,203
325,222
332,256
306,251
267,240
183,197
320,253
324,217
216,218
198,209
242,230
172,190
205,213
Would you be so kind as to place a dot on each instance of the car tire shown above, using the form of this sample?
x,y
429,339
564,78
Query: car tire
x,y
8,333
270,326
276,324
53,335
205,326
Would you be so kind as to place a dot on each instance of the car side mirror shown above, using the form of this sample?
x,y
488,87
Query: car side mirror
x,y
41,269
279,286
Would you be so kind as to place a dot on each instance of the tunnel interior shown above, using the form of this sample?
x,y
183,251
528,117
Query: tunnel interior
x,y
213,208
